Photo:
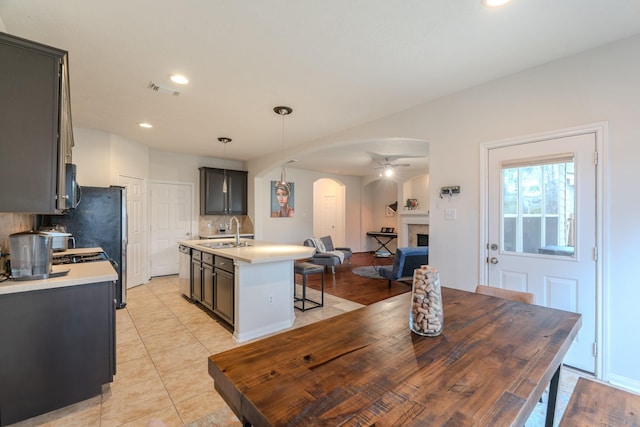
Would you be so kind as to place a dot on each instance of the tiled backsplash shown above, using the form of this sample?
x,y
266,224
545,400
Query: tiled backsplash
x,y
12,223
209,224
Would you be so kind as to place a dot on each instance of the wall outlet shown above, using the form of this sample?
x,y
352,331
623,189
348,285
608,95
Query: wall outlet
x,y
270,299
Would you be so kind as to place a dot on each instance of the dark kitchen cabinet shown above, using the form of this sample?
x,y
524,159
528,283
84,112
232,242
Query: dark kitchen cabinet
x,y
212,283
207,280
223,293
35,126
202,278
214,201
57,347
196,275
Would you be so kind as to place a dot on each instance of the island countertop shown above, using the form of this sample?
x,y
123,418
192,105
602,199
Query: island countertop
x,y
79,274
255,252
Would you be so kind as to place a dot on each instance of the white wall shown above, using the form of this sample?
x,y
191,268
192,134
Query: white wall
x,y
599,85
300,227
378,195
416,188
101,156
92,156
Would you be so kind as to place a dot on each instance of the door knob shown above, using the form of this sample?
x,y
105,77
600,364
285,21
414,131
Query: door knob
x,y
493,260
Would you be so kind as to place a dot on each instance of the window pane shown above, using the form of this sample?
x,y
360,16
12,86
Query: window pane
x,y
538,206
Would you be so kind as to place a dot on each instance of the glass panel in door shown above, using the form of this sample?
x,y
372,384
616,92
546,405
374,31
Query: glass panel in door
x,y
538,206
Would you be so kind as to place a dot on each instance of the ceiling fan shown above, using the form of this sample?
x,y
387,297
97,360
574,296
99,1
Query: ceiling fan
x,y
384,162
388,167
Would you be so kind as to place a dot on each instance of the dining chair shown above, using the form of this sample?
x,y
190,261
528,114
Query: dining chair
x,y
525,297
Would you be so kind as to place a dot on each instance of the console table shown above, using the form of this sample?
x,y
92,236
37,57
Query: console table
x,y
387,237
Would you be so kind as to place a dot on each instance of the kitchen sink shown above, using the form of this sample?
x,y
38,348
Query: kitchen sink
x,y
223,245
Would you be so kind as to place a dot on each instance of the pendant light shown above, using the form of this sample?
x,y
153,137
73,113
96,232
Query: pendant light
x,y
225,141
283,111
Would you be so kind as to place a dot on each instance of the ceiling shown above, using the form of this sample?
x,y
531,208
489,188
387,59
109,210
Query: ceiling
x,y
338,63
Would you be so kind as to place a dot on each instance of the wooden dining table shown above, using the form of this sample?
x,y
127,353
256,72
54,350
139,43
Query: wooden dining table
x,y
489,367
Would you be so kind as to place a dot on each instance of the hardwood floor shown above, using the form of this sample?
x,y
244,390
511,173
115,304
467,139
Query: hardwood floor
x,y
345,284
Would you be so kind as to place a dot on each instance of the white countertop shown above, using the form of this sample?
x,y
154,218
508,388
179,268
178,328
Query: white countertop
x,y
78,251
79,274
257,251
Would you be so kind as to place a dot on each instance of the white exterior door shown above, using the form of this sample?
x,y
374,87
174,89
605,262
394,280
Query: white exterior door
x,y
171,218
542,229
137,260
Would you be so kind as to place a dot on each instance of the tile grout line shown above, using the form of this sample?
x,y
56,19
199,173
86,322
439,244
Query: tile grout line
x,y
159,374
142,340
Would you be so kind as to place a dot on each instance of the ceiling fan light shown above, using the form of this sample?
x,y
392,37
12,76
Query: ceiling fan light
x,y
388,172
494,3
179,79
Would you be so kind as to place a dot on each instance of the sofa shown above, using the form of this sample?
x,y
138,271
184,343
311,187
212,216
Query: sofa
x,y
328,258
406,260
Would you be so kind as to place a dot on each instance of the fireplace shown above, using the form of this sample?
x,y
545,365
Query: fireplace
x,y
422,239
412,223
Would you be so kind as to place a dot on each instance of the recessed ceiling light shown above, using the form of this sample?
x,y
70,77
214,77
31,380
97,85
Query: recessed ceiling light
x,y
179,79
145,125
494,3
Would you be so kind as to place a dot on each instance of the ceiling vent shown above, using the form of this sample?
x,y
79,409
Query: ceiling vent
x,y
165,90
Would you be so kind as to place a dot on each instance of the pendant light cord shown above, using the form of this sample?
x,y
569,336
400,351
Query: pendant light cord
x,y
283,173
283,111
224,141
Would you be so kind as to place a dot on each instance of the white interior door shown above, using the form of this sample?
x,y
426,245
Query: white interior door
x,y
171,217
542,229
137,261
328,218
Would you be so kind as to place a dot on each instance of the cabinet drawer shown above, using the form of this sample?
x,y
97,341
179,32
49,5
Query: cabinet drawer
x,y
223,263
207,258
197,255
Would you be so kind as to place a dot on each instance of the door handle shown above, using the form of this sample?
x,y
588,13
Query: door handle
x,y
493,260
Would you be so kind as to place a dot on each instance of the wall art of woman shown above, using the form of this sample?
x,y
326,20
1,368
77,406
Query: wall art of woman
x,y
282,199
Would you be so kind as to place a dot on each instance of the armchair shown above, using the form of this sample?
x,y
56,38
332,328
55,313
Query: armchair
x,y
331,256
406,260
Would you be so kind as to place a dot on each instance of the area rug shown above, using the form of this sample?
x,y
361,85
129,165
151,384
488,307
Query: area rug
x,y
369,272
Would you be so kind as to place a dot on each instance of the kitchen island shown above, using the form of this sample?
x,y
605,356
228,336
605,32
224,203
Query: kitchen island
x,y
260,298
57,339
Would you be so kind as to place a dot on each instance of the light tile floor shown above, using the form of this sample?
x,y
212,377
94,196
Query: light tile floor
x,y
163,342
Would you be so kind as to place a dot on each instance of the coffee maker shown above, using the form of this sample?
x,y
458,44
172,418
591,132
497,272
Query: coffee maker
x,y
31,254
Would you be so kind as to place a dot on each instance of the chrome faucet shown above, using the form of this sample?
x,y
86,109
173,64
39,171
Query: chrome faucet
x,y
237,228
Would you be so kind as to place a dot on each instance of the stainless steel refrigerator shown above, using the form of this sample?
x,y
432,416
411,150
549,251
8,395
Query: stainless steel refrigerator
x,y
100,219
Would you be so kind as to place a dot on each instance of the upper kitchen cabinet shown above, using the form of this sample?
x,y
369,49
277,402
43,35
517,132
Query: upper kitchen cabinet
x,y
35,126
223,192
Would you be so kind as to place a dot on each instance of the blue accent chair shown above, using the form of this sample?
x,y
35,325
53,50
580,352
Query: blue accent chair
x,y
406,260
